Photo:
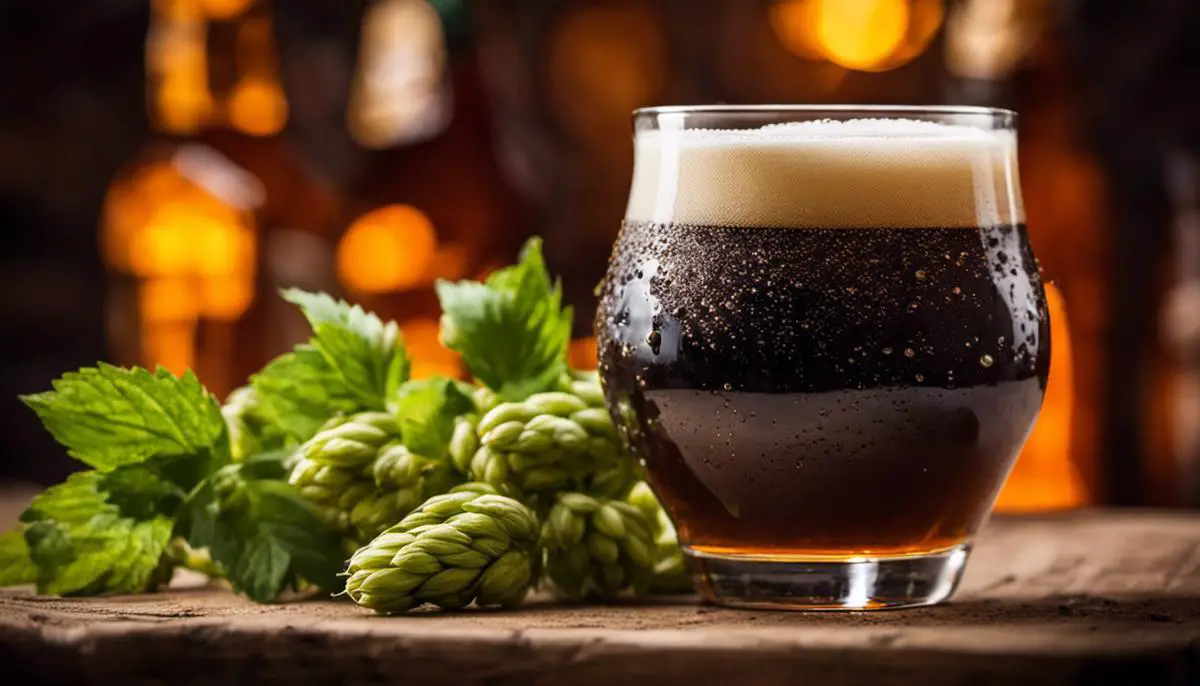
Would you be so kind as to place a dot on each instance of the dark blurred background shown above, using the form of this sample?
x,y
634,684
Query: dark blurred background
x,y
166,165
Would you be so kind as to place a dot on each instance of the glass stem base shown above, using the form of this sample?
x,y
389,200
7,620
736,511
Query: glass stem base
x,y
854,584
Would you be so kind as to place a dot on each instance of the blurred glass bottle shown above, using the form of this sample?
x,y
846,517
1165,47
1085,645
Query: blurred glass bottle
x,y
217,211
427,200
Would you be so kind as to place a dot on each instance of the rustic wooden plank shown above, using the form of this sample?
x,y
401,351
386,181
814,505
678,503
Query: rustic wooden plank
x,y
1090,597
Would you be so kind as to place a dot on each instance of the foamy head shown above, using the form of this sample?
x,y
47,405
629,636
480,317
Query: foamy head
x,y
860,173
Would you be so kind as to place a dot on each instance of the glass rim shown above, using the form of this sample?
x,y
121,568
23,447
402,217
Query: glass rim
x,y
931,110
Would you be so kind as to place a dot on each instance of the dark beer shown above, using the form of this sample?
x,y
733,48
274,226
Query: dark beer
x,y
825,392
829,341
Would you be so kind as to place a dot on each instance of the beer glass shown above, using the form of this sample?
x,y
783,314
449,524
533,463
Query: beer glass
x,y
824,332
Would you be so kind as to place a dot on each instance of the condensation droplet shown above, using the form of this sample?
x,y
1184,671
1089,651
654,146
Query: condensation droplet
x,y
956,290
920,378
920,275
909,352
887,351
728,386
986,360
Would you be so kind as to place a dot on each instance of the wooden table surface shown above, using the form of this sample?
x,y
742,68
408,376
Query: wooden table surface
x,y
1089,597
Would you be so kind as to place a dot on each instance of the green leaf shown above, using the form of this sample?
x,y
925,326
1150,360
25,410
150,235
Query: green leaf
x,y
367,354
15,565
299,392
354,362
426,410
82,544
512,331
261,532
108,417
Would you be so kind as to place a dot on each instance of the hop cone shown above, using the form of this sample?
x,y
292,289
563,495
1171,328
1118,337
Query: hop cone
x,y
471,544
361,478
671,574
597,547
548,442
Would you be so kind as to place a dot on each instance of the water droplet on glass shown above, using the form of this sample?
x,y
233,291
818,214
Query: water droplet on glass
x,y
920,275
728,386
986,360
909,352
887,351
956,290
920,378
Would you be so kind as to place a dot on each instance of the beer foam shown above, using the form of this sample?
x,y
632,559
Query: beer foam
x,y
859,173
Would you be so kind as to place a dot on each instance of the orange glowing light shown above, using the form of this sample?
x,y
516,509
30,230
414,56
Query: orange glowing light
x,y
387,249
861,34
794,23
582,354
226,298
429,357
257,106
1044,477
225,9
166,299
170,344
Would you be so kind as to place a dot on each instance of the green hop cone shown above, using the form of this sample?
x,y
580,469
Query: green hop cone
x,y
469,545
362,479
596,547
547,442
671,573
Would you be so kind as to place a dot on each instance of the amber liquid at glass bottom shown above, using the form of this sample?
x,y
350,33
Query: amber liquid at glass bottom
x,y
827,412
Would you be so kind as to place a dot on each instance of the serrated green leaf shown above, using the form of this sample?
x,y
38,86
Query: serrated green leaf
x,y
270,539
365,352
108,417
512,331
102,532
299,392
354,362
15,565
426,410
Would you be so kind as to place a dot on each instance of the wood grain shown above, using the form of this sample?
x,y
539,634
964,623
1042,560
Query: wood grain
x,y
1090,597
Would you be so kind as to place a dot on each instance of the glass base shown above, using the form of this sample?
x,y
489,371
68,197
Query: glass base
x,y
854,584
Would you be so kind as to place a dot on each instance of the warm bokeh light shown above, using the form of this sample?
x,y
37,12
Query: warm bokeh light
x,y
605,60
400,92
192,239
177,91
1045,478
582,354
170,344
225,9
986,40
428,356
861,34
387,249
794,23
226,298
257,106
167,299
866,35
176,227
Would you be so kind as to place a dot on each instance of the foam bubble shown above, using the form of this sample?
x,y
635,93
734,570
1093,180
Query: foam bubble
x,y
860,173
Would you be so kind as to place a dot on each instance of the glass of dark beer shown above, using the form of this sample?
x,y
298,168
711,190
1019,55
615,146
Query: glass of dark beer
x,y
824,332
